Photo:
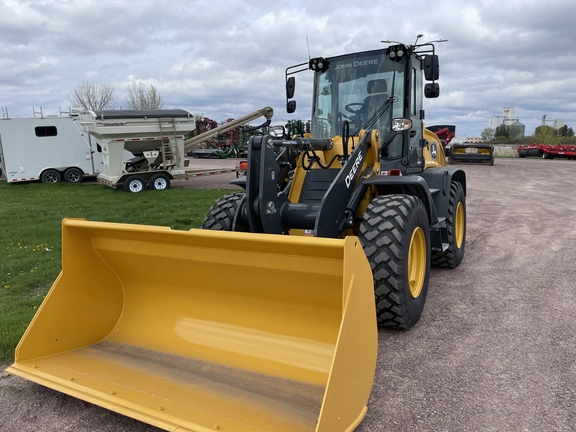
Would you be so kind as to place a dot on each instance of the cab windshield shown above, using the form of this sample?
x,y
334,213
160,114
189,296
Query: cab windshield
x,y
365,88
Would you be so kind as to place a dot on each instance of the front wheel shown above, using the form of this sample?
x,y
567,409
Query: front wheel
x,y
395,234
50,176
134,184
220,217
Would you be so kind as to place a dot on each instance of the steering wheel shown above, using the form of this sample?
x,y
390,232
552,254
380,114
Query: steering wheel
x,y
351,110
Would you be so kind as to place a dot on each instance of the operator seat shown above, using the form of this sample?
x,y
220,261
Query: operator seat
x,y
377,94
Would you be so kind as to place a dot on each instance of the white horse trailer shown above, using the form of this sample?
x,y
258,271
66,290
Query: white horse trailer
x,y
49,149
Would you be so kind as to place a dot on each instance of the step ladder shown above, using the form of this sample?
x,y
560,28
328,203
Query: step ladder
x,y
170,154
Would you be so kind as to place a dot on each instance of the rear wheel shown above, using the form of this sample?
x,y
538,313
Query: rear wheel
x,y
159,182
50,176
456,227
134,184
221,215
395,235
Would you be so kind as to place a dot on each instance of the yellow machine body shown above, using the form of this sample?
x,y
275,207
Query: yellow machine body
x,y
206,330
440,159
371,161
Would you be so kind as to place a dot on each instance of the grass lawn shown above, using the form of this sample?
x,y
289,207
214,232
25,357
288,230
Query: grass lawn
x,y
30,242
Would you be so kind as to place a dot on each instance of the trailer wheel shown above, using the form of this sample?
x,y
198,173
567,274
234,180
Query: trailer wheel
x,y
134,184
50,176
159,182
395,235
73,175
221,215
456,227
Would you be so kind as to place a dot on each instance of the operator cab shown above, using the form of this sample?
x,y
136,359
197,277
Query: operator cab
x,y
380,89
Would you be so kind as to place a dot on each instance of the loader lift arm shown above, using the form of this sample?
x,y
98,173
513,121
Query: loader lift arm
x,y
268,210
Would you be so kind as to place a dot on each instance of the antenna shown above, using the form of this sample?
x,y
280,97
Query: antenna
x,y
308,45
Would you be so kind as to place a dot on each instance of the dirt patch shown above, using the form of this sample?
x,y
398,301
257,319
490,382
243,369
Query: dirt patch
x,y
495,348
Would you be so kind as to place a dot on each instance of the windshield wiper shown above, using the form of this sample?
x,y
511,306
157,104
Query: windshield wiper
x,y
379,113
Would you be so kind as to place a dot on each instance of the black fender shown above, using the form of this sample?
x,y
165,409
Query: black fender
x,y
439,181
405,185
432,186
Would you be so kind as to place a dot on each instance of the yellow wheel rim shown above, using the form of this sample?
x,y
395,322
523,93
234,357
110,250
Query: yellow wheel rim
x,y
417,262
459,225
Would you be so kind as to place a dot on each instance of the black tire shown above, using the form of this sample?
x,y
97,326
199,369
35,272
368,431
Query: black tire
x,y
395,234
134,184
534,152
221,215
73,175
456,227
522,153
51,176
159,182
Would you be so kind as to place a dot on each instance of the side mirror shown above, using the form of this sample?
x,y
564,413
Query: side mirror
x,y
431,67
290,87
431,90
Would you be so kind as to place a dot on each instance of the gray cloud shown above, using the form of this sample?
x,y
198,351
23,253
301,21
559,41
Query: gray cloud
x,y
224,59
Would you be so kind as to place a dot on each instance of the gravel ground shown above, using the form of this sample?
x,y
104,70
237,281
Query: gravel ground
x,y
495,348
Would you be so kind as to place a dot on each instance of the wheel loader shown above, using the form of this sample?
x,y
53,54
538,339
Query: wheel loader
x,y
369,168
267,320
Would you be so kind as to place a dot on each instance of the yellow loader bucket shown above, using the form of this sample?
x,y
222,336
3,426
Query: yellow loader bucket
x,y
206,330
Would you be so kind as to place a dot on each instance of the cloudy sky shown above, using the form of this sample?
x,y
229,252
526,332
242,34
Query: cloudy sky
x,y
226,58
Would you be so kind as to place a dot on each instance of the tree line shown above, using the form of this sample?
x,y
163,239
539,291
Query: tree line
x,y
542,135
97,96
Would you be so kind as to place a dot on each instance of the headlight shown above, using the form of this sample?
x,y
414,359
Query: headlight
x,y
401,124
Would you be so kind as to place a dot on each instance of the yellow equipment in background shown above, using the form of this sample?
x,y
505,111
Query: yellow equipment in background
x,y
202,330
471,153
